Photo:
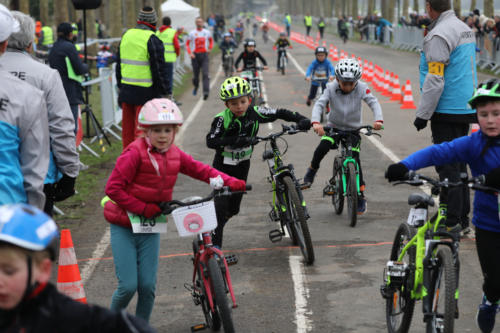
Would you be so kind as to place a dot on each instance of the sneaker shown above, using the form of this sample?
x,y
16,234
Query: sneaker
x,y
309,177
308,102
485,317
361,205
195,90
205,97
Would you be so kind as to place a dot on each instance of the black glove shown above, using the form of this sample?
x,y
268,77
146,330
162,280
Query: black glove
x,y
304,124
420,123
492,178
397,171
243,141
64,188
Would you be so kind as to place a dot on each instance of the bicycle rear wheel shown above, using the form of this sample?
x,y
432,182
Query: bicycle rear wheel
x,y
399,306
442,290
298,220
352,194
338,189
220,295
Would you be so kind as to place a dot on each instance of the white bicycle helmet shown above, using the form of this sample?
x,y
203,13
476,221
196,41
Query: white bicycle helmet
x,y
348,70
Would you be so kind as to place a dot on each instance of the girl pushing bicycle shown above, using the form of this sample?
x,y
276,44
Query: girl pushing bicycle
x,y
344,95
232,135
145,175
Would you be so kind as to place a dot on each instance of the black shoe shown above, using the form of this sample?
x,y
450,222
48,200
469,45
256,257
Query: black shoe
x,y
308,102
309,177
195,90
205,97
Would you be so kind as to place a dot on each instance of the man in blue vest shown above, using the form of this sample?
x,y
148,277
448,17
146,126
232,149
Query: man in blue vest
x,y
447,81
64,57
140,71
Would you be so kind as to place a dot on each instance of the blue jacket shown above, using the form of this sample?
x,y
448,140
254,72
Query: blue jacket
x,y
466,149
320,71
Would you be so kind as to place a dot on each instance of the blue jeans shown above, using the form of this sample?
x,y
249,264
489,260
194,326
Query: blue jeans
x,y
136,264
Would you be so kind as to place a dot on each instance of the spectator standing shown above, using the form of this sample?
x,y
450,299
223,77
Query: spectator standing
x,y
321,26
288,23
308,23
64,161
23,132
46,40
140,71
65,59
168,36
447,81
199,44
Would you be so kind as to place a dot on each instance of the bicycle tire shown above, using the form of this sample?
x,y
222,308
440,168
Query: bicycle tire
x,y
338,194
401,302
212,318
352,195
220,295
298,218
442,322
282,65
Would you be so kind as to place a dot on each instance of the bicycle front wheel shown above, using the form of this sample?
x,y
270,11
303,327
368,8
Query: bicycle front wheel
x,y
298,220
442,291
352,194
283,65
338,187
399,306
220,296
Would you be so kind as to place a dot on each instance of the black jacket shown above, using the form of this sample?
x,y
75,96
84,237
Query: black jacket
x,y
57,59
249,59
50,311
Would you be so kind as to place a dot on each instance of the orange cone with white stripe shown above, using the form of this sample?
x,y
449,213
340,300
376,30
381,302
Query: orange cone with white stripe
x,y
369,76
396,93
408,97
79,132
69,281
335,56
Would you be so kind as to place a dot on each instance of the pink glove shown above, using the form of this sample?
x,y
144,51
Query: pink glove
x,y
237,184
151,210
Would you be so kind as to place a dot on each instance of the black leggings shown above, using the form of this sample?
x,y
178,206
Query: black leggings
x,y
488,251
325,145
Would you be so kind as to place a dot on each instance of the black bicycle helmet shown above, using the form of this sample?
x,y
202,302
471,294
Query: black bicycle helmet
x,y
249,42
321,49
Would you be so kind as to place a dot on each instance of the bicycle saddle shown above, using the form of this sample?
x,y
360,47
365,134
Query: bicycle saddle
x,y
420,199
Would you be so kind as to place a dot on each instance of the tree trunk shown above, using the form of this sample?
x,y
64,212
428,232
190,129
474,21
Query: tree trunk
x,y
44,13
383,8
371,7
354,9
390,10
338,8
488,8
457,7
327,5
61,11
415,6
472,5
115,25
130,13
405,9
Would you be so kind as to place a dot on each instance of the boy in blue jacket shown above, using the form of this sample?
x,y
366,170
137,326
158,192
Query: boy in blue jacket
x,y
319,72
481,150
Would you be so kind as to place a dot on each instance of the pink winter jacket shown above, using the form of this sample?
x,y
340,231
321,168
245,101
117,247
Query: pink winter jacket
x,y
135,181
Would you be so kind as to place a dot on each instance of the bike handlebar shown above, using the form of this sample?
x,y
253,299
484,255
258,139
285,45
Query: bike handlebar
x,y
332,131
168,206
286,129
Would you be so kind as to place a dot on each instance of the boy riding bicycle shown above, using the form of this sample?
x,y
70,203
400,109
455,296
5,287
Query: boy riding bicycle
x,y
249,56
281,44
319,72
481,150
344,95
227,44
232,135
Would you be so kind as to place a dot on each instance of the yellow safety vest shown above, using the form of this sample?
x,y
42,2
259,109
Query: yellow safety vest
x,y
289,19
308,20
48,36
134,58
167,37
321,24
75,28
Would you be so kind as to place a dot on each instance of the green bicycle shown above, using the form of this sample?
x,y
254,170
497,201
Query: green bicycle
x,y
424,263
345,180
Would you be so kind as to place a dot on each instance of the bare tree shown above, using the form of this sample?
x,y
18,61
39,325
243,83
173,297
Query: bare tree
x,y
354,9
415,5
371,7
130,13
383,8
472,5
457,7
390,10
115,25
44,13
488,8
61,11
405,8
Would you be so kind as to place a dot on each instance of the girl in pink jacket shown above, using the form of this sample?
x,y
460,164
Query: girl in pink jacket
x,y
145,175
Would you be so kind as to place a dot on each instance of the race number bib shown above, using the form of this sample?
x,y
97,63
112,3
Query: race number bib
x,y
235,156
142,225
417,217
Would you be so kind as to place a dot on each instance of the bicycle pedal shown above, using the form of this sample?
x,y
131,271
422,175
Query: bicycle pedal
x,y
385,291
328,190
199,327
231,259
305,186
273,216
275,235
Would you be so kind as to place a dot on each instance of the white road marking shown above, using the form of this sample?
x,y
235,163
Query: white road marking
x,y
103,244
302,314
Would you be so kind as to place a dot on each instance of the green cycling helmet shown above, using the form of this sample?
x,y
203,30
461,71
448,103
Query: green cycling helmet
x,y
486,91
234,87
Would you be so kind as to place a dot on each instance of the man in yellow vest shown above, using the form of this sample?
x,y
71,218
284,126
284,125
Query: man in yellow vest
x,y
46,38
172,50
308,21
288,23
321,26
141,72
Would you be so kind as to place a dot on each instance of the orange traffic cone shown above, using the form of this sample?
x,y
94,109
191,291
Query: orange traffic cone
x,y
335,56
69,281
369,76
330,52
79,131
387,84
474,128
396,92
408,97
324,44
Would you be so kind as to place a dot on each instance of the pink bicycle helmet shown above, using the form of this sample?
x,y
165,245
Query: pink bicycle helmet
x,y
160,111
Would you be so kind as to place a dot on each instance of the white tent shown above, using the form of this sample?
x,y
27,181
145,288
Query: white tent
x,y
181,13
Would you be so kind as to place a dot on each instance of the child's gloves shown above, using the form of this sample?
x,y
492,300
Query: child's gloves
x,y
397,171
237,184
243,141
216,183
151,210
64,188
420,123
304,124
492,178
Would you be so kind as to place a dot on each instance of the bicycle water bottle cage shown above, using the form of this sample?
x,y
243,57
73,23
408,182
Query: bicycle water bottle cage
x,y
267,154
420,199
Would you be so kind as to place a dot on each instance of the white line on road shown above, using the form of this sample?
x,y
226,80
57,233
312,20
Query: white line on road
x,y
103,244
302,314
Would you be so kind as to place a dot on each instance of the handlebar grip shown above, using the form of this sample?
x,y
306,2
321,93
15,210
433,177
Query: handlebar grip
x,y
248,187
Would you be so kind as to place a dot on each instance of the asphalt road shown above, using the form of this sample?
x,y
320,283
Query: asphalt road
x,y
275,292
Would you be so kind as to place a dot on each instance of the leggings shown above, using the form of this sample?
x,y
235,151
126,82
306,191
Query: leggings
x,y
488,251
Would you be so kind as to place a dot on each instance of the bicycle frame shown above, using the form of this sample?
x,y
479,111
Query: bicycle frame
x,y
346,156
205,251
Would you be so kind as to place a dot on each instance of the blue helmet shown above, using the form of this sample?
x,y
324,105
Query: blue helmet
x,y
27,227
